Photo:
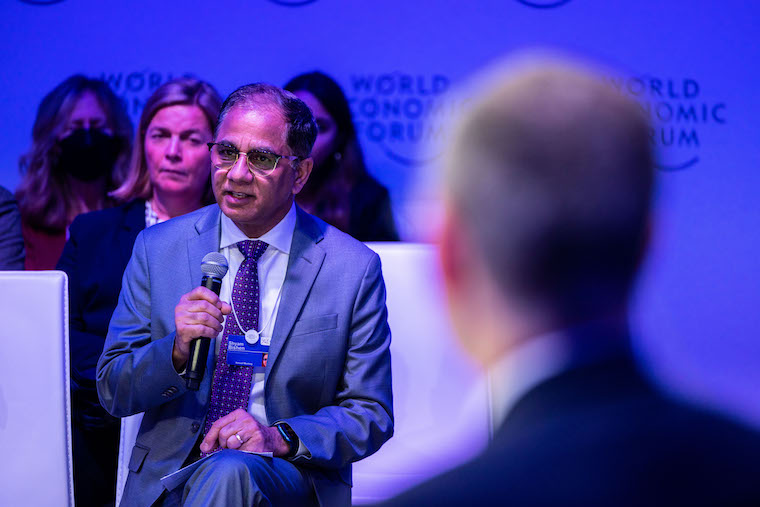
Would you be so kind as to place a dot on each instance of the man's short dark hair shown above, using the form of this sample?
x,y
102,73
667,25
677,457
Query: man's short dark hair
x,y
302,129
552,174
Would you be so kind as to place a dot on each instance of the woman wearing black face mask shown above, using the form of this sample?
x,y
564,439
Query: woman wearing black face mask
x,y
80,151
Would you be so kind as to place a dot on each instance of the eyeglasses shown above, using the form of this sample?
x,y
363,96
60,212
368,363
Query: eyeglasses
x,y
259,162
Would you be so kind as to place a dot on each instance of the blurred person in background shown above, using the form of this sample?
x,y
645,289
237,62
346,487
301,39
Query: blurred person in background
x,y
11,240
80,151
169,175
340,190
548,187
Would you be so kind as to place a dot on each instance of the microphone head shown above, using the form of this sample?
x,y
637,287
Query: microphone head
x,y
214,265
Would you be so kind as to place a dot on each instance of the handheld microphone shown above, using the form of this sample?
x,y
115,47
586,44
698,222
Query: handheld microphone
x,y
214,267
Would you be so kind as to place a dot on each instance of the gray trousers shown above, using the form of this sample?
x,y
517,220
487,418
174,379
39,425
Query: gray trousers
x,y
232,478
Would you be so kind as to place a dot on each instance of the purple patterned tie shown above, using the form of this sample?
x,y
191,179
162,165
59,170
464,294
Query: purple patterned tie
x,y
231,385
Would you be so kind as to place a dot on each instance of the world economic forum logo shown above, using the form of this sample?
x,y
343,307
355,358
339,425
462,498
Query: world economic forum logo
x,y
544,4
400,113
41,2
135,86
293,3
683,117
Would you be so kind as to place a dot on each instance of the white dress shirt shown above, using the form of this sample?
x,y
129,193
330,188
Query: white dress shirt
x,y
522,368
272,267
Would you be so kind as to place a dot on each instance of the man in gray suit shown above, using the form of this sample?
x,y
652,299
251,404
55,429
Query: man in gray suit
x,y
321,396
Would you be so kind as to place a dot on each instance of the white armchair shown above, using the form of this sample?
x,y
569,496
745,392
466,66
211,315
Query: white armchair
x,y
440,399
35,413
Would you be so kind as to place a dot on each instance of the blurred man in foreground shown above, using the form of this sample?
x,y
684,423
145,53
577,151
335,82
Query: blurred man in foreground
x,y
548,191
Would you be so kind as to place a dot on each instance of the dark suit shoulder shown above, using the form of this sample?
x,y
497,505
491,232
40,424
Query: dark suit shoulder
x,y
611,408
602,435
371,211
111,229
109,217
331,239
341,246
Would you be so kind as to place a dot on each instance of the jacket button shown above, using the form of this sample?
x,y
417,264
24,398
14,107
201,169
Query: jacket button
x,y
195,427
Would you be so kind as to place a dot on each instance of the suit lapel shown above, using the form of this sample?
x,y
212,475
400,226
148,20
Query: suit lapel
x,y
305,261
206,240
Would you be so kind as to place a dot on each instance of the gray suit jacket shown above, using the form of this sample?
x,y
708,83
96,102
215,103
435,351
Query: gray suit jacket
x,y
328,373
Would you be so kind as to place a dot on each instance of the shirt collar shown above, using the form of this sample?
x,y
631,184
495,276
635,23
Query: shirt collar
x,y
522,368
541,357
280,236
151,218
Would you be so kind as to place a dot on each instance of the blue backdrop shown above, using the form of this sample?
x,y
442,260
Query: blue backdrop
x,y
693,65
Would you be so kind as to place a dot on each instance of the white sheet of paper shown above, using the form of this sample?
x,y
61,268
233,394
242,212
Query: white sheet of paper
x,y
179,477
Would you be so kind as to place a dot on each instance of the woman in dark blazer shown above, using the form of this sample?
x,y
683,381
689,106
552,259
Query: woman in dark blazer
x,y
340,189
169,176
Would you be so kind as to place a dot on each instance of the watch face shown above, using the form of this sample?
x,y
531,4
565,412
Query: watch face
x,y
286,432
290,438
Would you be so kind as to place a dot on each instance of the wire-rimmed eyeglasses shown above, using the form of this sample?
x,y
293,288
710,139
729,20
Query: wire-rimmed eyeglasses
x,y
259,162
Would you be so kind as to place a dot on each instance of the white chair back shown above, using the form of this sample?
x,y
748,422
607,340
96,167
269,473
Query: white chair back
x,y
129,428
35,413
441,399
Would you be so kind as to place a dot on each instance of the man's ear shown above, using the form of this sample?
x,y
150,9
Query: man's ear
x,y
463,288
476,308
303,170
451,253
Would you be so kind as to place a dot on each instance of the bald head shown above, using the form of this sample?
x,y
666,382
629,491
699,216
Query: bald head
x,y
551,175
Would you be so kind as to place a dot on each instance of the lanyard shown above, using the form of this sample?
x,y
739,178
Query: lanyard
x,y
251,335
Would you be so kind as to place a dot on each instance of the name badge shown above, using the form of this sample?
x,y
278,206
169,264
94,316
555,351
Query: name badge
x,y
240,352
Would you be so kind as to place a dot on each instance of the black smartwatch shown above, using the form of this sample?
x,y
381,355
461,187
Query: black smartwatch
x,y
290,438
